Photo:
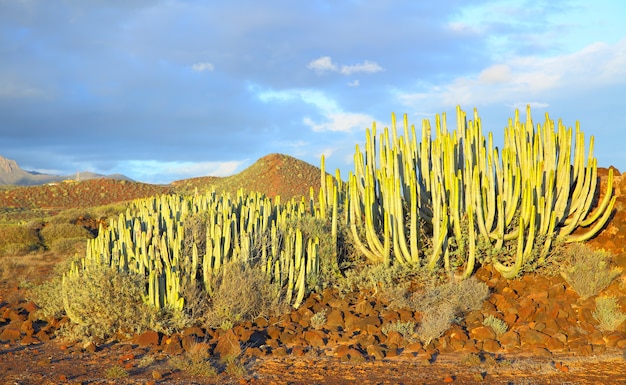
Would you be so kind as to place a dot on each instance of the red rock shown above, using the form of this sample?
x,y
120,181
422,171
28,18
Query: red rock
x,y
228,345
376,351
298,351
148,338
405,315
42,336
553,344
533,338
526,312
481,333
315,338
334,319
510,339
491,346
10,335
273,332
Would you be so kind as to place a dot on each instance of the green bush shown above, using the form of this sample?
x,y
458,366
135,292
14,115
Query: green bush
x,y
53,232
101,302
18,240
588,271
69,246
608,314
496,324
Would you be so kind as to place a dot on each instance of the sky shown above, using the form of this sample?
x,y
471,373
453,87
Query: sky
x,y
167,90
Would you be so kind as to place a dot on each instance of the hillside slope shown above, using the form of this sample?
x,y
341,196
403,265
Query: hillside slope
x,y
272,175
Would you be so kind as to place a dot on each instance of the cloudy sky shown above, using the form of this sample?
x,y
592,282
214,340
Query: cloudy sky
x,y
167,90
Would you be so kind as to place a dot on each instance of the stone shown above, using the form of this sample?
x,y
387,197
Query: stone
x,y
376,351
10,335
334,319
510,339
228,345
554,344
315,338
482,333
533,338
148,338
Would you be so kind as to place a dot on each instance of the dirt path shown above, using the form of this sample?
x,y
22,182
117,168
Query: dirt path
x,y
53,363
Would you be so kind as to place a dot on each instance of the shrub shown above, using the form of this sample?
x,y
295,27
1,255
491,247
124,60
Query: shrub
x,y
69,246
608,314
318,320
497,325
241,293
406,329
588,271
195,361
436,321
442,304
101,302
18,240
116,372
53,232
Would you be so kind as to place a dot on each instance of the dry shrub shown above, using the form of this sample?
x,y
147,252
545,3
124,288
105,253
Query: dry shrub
x,y
442,304
588,271
608,314
18,240
195,361
52,232
241,293
101,302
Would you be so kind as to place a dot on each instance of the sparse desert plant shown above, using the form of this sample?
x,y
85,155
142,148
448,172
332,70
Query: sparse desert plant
x,y
318,320
116,372
436,321
195,361
146,361
241,293
443,304
406,329
235,366
588,271
54,231
102,302
608,313
496,324
18,240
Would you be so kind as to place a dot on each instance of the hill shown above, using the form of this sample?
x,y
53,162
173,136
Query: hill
x,y
274,174
12,174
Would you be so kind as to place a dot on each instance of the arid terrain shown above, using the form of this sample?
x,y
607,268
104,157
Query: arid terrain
x,y
551,337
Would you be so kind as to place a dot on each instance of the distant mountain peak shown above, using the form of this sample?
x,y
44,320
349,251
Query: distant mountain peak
x,y
8,166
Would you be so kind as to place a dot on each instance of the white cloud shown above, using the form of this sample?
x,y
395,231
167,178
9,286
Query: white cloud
x,y
354,83
322,64
204,66
335,118
366,67
325,63
340,121
528,77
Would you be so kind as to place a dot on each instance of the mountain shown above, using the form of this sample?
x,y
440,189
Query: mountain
x,y
274,174
12,174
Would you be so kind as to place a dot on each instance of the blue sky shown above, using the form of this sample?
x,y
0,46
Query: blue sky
x,y
167,90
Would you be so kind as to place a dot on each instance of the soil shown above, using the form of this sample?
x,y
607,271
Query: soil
x,y
552,338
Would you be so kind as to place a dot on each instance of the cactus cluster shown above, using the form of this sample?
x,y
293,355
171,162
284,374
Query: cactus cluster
x,y
149,239
464,192
453,189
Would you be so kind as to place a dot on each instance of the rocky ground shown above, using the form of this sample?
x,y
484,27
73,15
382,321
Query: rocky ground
x,y
552,337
